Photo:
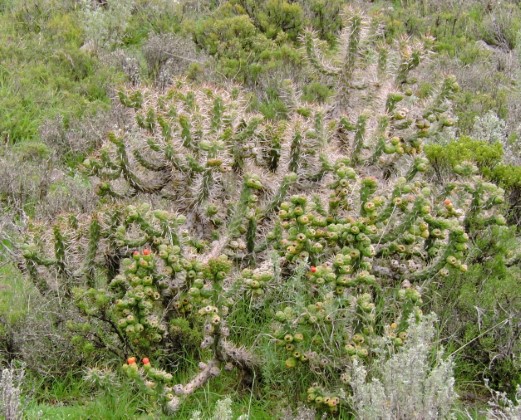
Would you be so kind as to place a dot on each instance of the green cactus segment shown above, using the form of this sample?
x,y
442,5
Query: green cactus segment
x,y
295,153
137,307
314,57
360,132
345,77
246,206
59,251
272,145
89,267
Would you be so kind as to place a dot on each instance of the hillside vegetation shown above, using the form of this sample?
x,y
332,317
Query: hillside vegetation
x,y
260,209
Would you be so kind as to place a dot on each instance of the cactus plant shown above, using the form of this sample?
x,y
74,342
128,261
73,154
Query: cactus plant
x,y
205,204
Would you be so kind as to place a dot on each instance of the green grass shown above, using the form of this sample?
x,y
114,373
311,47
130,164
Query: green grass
x,y
72,398
13,293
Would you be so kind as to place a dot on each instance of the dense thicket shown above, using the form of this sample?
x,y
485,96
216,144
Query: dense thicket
x,y
315,199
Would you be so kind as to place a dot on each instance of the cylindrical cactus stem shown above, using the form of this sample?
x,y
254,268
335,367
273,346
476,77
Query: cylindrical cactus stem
x,y
320,129
171,156
288,180
135,243
383,59
368,188
245,133
406,223
38,281
359,138
344,128
150,120
186,132
208,370
204,189
250,184
147,227
399,190
104,188
476,206
166,128
108,174
154,145
446,92
419,165
345,76
325,167
92,248
106,159
59,255
309,41
410,58
134,100
273,145
436,265
147,164
392,100
289,95
217,114
383,124
129,175
295,151
251,234
113,257
147,121
207,179
406,66
239,356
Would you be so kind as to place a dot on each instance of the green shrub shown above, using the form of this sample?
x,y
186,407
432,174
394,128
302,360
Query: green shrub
x,y
480,307
281,243
44,73
320,226
487,156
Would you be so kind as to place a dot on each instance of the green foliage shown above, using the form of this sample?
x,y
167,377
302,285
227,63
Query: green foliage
x,y
486,300
508,176
44,73
263,244
105,26
325,17
149,17
316,92
474,33
251,39
488,158
482,153
336,271
12,306
279,17
243,52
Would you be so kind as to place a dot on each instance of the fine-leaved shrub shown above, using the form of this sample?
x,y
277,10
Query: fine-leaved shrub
x,y
405,386
11,380
104,24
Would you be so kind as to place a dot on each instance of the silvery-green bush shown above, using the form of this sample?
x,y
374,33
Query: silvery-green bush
x,y
10,393
503,408
406,385
105,25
